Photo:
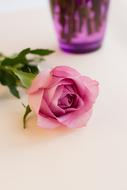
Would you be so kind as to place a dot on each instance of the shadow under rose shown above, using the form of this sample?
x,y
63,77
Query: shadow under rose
x,y
35,132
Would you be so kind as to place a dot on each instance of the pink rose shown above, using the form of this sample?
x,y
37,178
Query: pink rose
x,y
62,97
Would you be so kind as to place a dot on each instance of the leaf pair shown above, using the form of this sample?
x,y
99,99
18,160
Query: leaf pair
x,y
19,70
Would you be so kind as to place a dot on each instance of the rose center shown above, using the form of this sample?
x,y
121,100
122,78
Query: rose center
x,y
67,101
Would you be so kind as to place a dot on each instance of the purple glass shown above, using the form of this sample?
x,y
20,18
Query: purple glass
x,y
80,24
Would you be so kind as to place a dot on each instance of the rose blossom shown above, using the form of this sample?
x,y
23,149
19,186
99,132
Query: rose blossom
x,y
62,96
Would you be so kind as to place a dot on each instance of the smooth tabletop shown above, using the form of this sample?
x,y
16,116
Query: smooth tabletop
x,y
92,158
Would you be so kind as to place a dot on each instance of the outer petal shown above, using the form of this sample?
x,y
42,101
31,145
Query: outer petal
x,y
45,109
46,118
47,123
54,103
76,119
34,100
92,85
88,89
64,71
41,81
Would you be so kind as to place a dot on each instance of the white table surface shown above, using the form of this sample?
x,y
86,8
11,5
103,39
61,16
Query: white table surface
x,y
92,158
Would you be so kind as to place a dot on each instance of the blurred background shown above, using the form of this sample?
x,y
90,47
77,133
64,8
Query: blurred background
x,y
10,5
117,25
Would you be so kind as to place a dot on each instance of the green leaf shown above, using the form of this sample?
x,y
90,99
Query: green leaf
x,y
42,52
17,59
22,59
7,78
25,52
33,69
14,91
19,70
24,78
27,112
30,69
14,61
8,61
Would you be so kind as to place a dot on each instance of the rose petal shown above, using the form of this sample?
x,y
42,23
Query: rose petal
x,y
77,107
43,80
54,103
34,100
71,88
60,91
76,119
84,93
87,89
92,85
45,109
64,71
47,123
50,92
